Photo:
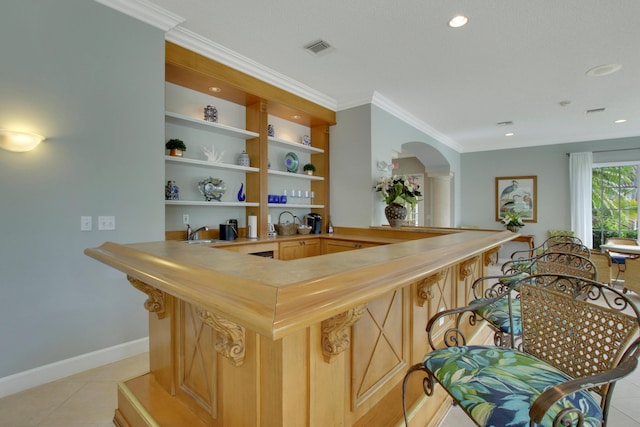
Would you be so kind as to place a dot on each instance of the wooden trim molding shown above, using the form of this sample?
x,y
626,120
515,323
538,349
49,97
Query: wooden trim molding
x,y
230,337
491,256
424,287
156,301
466,267
335,338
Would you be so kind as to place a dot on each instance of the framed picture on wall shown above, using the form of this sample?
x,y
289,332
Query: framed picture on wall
x,y
517,194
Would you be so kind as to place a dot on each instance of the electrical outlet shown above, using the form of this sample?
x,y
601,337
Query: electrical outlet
x,y
106,223
185,218
86,223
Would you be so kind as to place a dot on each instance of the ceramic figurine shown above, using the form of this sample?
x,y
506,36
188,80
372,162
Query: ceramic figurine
x,y
306,140
212,156
211,113
271,131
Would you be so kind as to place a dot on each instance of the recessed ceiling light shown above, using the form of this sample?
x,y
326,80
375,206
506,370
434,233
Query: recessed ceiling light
x,y
215,89
458,21
509,134
603,70
296,117
620,120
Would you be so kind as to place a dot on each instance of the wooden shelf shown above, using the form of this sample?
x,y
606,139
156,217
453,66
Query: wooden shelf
x,y
294,206
295,145
212,203
221,129
296,175
207,164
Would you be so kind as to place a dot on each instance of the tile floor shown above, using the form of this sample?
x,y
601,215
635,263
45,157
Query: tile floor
x,y
85,399
88,399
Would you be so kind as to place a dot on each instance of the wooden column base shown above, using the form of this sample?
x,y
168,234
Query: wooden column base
x,y
142,401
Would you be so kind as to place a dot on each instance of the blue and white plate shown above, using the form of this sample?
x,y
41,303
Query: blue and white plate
x,y
291,162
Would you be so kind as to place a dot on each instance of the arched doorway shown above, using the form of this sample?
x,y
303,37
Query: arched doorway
x,y
421,158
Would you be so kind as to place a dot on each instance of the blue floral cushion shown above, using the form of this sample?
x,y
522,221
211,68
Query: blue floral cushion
x,y
496,386
498,314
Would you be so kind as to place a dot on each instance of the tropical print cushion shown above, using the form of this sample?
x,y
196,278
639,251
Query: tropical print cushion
x,y
496,386
497,314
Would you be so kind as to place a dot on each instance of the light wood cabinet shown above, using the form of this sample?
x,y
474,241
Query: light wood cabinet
x,y
330,246
299,249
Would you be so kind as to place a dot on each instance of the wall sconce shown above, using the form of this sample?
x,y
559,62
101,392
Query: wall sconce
x,y
19,141
384,166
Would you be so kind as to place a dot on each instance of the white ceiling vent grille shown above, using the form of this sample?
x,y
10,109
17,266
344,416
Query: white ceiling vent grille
x,y
317,47
595,110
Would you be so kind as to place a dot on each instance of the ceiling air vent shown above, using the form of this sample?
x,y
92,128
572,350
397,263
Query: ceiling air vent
x,y
595,110
317,47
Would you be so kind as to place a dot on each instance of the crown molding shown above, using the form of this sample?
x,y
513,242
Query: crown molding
x,y
145,11
203,46
392,108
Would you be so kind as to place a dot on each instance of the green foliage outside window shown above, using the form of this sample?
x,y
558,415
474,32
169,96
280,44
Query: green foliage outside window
x,y
615,203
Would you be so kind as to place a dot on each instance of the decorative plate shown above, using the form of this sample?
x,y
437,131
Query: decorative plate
x,y
291,162
212,188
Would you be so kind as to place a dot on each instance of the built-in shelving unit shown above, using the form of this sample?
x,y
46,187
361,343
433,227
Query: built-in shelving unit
x,y
259,102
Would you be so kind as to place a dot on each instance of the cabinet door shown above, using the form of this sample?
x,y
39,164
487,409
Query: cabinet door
x,y
299,249
333,246
311,247
291,250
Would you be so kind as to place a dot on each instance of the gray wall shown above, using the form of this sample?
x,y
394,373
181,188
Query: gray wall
x,y
92,81
549,163
363,136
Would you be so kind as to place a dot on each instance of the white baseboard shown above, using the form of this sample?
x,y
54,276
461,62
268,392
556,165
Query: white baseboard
x,y
63,368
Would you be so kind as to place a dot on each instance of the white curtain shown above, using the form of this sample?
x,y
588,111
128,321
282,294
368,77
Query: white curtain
x,y
580,168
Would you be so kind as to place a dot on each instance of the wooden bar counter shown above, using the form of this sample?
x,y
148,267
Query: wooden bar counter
x,y
239,340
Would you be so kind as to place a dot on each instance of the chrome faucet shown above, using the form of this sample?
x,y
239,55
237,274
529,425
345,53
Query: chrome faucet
x,y
193,234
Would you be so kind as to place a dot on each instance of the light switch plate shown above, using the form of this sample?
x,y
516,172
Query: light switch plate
x,y
86,223
185,219
106,223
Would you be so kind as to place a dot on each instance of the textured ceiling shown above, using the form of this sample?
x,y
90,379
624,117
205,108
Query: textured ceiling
x,y
514,61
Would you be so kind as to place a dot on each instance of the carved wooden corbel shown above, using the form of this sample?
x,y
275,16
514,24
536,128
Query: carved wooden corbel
x,y
335,338
230,337
424,287
156,301
466,267
491,256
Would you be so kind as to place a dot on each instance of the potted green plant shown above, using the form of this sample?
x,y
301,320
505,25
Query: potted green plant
x,y
513,221
309,169
175,147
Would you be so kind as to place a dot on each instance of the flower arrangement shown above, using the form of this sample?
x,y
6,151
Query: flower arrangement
x,y
399,189
513,219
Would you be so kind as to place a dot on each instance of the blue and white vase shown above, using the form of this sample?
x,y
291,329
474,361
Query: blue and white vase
x,y
271,131
171,191
306,140
244,159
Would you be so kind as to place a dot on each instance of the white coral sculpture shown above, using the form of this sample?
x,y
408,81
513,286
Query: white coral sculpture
x,y
211,154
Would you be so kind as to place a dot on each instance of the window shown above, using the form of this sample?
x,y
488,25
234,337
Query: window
x,y
614,202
